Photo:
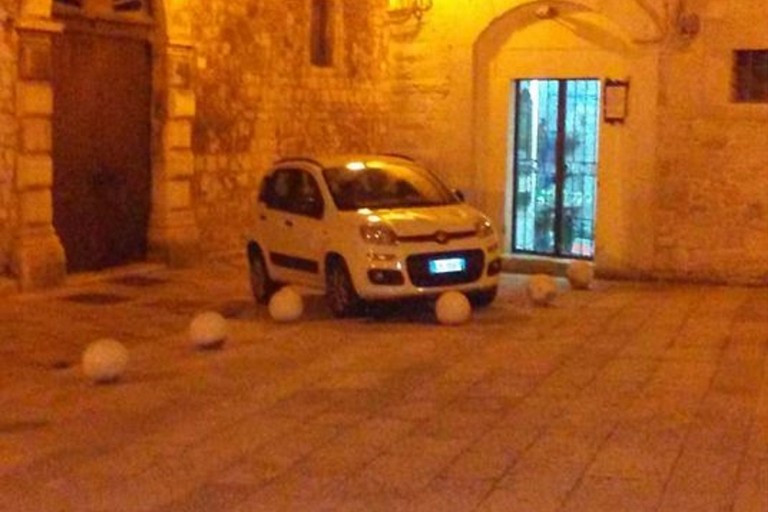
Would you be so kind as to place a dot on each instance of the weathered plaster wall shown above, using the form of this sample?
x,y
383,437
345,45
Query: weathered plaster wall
x,y
712,212
258,98
8,134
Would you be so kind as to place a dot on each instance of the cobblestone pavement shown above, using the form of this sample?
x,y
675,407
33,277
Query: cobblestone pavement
x,y
627,397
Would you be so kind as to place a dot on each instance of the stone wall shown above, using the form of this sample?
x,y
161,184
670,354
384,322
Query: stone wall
x,y
712,189
258,99
683,183
8,137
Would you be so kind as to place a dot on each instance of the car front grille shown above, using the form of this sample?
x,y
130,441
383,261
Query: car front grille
x,y
440,237
418,268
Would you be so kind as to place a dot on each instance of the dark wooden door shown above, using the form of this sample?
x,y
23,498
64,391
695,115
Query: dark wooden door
x,y
101,148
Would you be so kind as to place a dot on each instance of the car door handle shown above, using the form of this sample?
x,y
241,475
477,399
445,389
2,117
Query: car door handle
x,y
289,223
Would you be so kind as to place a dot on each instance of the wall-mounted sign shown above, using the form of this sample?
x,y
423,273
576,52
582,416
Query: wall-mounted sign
x,y
615,99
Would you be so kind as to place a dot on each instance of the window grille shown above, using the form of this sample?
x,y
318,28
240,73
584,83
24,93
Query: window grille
x,y
750,76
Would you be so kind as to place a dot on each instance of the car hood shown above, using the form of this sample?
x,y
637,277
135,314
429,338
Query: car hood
x,y
453,218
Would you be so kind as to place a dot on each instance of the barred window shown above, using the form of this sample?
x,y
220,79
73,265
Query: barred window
x,y
750,76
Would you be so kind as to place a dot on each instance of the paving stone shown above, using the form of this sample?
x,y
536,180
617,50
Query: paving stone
x,y
632,396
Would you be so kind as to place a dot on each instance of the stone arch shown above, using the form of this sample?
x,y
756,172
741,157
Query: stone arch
x,y
38,256
572,40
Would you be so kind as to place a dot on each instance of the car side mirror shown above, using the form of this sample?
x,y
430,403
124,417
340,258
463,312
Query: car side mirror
x,y
459,195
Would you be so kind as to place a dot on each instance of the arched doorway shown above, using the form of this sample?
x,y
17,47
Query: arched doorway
x,y
102,83
566,42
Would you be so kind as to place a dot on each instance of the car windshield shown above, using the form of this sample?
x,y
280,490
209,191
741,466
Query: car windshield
x,y
385,185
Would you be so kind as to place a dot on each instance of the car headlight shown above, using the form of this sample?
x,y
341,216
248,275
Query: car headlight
x,y
483,228
378,234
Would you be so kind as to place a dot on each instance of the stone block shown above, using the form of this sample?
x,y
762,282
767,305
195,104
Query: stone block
x,y
39,260
177,164
34,98
36,135
34,171
173,195
181,103
35,61
177,134
36,207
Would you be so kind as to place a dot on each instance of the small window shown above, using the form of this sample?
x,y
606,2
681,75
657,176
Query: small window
x,y
750,76
101,7
70,3
321,34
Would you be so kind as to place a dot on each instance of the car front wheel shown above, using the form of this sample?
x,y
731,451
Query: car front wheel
x,y
262,286
340,292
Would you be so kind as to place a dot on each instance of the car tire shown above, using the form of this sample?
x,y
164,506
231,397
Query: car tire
x,y
262,286
483,298
340,293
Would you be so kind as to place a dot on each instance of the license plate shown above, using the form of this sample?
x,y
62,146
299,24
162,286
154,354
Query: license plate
x,y
447,265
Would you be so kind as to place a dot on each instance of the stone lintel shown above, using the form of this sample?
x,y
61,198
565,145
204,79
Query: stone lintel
x,y
40,22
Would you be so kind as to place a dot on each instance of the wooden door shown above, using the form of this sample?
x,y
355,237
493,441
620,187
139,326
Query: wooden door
x,y
101,148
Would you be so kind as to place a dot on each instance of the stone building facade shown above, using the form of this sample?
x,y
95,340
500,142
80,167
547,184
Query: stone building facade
x,y
235,85
681,182
259,98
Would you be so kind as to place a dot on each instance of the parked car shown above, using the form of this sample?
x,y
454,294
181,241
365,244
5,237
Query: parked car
x,y
368,228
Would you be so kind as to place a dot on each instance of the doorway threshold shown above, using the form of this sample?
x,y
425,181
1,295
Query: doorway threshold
x,y
534,264
113,273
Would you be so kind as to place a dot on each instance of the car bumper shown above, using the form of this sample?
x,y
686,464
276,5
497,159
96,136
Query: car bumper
x,y
389,273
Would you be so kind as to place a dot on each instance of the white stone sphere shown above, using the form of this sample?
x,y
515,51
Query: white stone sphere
x,y
580,274
542,289
104,360
453,308
208,330
286,305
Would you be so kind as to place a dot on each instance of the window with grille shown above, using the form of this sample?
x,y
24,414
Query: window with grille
x,y
321,49
750,76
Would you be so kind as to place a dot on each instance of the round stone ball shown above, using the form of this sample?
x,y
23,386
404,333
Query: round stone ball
x,y
580,274
208,330
286,305
542,289
104,360
453,308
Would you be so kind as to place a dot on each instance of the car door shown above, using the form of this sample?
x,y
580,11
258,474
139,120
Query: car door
x,y
295,210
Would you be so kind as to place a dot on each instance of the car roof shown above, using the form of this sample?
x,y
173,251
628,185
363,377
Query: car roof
x,y
338,160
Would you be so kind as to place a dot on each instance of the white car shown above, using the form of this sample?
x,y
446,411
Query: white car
x,y
368,228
